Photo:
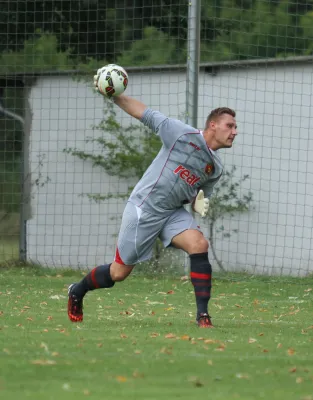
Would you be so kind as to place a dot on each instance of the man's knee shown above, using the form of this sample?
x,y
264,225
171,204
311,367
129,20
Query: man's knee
x,y
120,272
198,246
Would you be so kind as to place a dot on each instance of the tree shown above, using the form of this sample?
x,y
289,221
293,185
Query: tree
x,y
145,52
38,55
256,29
102,29
226,201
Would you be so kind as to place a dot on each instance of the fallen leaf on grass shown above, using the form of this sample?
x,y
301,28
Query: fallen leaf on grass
x,y
251,340
166,350
294,369
291,351
44,346
185,337
170,336
279,346
170,292
154,334
242,376
137,374
43,362
121,378
123,336
308,290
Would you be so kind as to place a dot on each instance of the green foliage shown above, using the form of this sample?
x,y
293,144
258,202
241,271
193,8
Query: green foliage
x,y
256,29
38,55
131,150
89,32
307,25
154,48
227,201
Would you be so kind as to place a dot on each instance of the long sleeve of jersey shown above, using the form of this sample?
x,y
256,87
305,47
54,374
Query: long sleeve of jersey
x,y
169,129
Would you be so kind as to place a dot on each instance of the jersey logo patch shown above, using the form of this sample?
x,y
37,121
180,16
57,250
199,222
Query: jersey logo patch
x,y
186,175
209,169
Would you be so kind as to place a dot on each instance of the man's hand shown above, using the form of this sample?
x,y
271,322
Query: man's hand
x,y
201,204
130,105
95,79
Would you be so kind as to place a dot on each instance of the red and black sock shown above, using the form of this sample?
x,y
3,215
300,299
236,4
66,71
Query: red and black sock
x,y
200,274
99,277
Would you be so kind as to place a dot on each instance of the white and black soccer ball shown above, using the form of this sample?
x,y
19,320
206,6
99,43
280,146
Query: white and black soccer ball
x,y
112,81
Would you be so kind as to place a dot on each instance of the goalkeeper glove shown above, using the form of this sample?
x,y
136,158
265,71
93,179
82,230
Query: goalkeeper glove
x,y
201,204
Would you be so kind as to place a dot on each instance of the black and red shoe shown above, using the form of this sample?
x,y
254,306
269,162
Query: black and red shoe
x,y
74,306
204,321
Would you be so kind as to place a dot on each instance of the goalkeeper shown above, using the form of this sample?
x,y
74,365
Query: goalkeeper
x,y
184,171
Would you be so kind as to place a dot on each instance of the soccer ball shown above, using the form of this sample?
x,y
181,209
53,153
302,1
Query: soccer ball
x,y
112,80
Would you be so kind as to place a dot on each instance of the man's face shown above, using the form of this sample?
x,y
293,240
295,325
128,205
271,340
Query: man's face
x,y
225,129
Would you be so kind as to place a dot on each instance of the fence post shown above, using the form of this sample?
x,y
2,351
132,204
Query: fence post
x,y
193,61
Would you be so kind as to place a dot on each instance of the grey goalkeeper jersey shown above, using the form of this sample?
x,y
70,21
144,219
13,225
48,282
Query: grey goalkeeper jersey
x,y
183,166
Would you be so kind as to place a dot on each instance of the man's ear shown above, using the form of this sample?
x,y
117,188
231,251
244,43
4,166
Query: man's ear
x,y
212,124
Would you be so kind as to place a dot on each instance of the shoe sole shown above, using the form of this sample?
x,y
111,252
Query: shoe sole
x,y
73,318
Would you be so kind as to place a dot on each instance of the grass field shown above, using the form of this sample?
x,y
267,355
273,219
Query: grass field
x,y
139,340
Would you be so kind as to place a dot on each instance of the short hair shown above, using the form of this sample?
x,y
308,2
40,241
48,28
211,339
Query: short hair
x,y
217,112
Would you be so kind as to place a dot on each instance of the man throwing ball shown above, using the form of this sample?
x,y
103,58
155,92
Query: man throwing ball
x,y
185,171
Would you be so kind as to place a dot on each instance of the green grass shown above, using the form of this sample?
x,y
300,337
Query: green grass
x,y
139,341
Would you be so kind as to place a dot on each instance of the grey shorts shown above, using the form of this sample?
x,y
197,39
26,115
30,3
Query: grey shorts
x,y
139,231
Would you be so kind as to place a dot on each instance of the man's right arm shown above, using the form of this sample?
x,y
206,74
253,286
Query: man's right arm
x,y
131,106
150,118
168,129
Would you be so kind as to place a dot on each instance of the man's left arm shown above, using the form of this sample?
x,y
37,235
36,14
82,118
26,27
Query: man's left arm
x,y
202,201
201,204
